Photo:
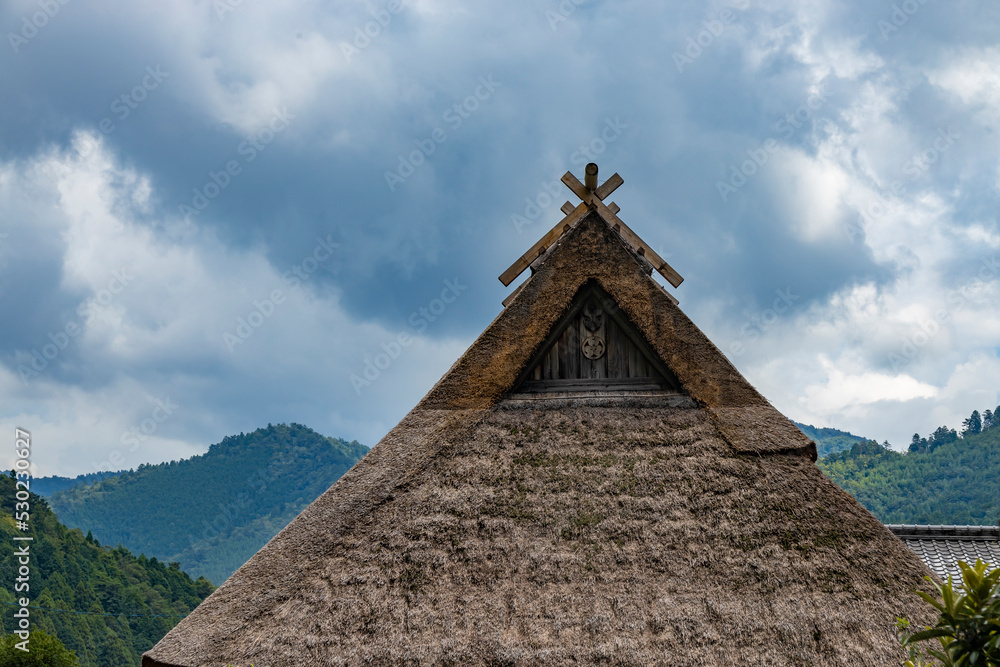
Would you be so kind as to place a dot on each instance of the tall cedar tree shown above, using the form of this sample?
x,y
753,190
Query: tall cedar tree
x,y
973,425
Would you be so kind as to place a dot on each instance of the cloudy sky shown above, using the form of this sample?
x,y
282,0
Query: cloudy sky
x,y
214,212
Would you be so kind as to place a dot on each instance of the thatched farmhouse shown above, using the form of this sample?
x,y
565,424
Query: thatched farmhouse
x,y
592,482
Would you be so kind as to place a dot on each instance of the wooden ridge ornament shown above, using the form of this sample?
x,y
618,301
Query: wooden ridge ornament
x,y
593,196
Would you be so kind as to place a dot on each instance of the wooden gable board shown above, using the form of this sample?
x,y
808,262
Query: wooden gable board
x,y
627,363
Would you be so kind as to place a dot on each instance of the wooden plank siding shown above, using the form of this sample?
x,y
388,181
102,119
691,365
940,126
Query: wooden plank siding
x,y
627,364
622,358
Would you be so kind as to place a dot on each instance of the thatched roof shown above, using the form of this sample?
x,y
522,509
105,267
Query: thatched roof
x,y
497,527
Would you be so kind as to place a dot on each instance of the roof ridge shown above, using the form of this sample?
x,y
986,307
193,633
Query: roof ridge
x,y
944,531
592,200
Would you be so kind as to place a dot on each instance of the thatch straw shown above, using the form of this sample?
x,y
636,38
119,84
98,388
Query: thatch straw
x,y
489,529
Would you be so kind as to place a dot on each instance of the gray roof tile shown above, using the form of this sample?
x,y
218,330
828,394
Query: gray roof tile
x,y
941,547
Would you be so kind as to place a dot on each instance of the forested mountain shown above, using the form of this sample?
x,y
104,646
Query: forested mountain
x,y
46,486
945,478
212,512
829,440
125,604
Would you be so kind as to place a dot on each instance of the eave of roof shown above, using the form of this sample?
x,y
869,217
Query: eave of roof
x,y
943,532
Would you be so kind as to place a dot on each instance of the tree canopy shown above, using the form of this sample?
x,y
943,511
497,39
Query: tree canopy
x,y
43,650
944,479
104,604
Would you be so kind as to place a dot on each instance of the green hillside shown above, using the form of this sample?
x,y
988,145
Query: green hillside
x,y
944,479
46,486
212,512
129,603
829,440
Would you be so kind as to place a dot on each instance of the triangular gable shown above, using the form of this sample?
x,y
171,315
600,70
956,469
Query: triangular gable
x,y
592,252
594,347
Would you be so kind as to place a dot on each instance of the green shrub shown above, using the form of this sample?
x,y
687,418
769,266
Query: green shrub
x,y
968,629
43,651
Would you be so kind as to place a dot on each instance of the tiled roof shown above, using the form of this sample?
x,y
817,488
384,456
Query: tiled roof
x,y
941,547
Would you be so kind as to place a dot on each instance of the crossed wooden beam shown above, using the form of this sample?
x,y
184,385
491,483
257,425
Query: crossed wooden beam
x,y
591,195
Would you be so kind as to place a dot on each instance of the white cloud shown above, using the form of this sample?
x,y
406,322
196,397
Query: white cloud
x,y
811,192
158,333
974,77
878,362
841,392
